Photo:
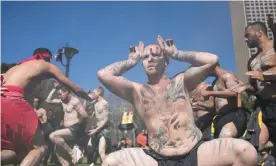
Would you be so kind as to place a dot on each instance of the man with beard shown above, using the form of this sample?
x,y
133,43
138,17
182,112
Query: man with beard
x,y
163,105
262,67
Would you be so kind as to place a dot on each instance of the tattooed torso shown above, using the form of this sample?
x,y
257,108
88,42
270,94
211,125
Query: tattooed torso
x,y
167,113
222,104
263,63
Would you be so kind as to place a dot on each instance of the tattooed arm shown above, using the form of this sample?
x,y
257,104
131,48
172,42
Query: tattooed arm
x,y
229,91
110,76
203,63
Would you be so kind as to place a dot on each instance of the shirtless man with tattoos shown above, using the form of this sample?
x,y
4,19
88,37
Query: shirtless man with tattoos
x,y
231,119
101,135
74,113
164,106
261,67
203,110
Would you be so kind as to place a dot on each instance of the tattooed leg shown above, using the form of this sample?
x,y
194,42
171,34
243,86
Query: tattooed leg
x,y
227,151
58,137
35,156
63,157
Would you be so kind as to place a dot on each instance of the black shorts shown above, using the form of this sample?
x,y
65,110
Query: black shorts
x,y
269,116
204,124
77,130
237,115
253,128
189,159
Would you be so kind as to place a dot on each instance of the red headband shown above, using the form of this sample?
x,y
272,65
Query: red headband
x,y
36,57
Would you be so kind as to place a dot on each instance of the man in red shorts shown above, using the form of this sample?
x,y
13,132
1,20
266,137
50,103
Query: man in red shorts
x,y
19,125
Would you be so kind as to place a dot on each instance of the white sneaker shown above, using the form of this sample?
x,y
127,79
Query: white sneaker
x,y
92,164
77,154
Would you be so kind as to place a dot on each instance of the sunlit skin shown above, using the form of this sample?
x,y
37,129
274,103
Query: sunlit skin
x,y
163,104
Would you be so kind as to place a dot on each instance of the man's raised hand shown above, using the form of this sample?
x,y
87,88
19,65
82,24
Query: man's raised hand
x,y
167,46
135,53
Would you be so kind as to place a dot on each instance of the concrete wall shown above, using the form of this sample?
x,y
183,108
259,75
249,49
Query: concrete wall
x,y
241,51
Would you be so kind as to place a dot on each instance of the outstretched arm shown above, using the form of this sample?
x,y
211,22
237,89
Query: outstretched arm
x,y
203,63
265,76
110,76
59,75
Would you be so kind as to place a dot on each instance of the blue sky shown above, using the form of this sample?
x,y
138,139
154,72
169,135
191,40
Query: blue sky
x,y
103,32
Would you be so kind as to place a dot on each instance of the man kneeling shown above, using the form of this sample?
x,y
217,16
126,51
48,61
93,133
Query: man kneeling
x,y
164,106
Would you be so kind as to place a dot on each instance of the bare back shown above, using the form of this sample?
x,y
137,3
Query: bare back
x,y
27,74
167,114
31,73
266,89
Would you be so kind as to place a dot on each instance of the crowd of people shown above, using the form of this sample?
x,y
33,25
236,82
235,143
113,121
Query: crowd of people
x,y
187,121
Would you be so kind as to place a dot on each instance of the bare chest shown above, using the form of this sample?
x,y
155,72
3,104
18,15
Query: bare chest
x,y
264,62
163,100
68,108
